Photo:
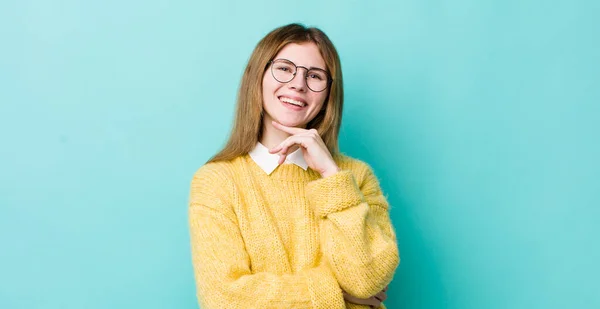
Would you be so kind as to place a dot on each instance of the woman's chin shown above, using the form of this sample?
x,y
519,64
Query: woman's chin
x,y
297,123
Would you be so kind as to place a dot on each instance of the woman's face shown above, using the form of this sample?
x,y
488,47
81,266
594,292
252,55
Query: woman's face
x,y
278,98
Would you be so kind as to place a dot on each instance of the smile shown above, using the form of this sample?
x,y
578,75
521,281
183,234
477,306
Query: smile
x,y
292,101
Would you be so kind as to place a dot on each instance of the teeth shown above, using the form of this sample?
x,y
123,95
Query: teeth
x,y
291,101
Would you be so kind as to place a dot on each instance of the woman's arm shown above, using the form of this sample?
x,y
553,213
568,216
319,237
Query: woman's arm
x,y
357,235
222,266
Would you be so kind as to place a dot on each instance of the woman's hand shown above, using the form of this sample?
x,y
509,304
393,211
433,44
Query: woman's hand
x,y
314,150
373,301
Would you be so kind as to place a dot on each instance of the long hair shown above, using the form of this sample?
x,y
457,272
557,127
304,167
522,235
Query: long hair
x,y
248,123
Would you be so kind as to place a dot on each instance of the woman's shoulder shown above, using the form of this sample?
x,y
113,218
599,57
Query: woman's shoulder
x,y
214,180
216,171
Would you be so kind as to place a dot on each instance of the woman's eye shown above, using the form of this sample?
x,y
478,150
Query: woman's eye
x,y
315,76
283,69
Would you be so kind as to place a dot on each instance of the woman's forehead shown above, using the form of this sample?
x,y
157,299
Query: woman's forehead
x,y
303,54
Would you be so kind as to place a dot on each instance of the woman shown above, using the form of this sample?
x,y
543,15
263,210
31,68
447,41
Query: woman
x,y
280,218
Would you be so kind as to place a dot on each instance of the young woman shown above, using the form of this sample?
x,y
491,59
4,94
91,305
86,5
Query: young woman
x,y
280,218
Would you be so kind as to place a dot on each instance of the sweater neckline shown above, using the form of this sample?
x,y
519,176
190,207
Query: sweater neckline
x,y
284,172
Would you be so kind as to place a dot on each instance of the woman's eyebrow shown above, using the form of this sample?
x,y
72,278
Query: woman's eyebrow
x,y
310,68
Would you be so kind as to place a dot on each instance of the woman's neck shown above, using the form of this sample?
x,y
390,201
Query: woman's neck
x,y
272,137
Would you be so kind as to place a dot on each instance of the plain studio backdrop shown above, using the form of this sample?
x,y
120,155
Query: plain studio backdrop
x,y
480,118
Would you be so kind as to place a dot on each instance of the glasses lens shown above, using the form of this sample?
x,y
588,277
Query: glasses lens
x,y
316,80
283,70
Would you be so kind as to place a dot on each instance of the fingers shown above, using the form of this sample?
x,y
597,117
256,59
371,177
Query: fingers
x,y
282,158
371,301
381,296
374,302
302,140
296,132
283,147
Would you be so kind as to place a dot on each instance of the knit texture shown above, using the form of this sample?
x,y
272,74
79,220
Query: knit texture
x,y
291,239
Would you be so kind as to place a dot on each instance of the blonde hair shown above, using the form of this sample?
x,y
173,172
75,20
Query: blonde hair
x,y
248,123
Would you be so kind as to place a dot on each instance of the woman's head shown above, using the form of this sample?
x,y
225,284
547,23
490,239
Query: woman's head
x,y
295,85
265,89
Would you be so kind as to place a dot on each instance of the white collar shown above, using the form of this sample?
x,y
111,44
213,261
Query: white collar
x,y
269,161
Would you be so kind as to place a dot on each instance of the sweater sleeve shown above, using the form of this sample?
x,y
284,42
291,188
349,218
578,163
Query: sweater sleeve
x,y
357,235
222,268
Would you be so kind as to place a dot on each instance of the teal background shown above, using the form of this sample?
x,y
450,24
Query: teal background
x,y
481,119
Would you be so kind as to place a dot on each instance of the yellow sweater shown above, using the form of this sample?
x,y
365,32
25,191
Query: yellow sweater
x,y
291,239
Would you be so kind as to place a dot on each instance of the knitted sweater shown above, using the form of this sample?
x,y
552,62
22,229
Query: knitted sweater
x,y
291,239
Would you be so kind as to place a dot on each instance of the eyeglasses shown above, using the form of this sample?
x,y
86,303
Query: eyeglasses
x,y
284,71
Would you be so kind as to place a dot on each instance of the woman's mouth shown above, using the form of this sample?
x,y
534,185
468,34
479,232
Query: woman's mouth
x,y
292,104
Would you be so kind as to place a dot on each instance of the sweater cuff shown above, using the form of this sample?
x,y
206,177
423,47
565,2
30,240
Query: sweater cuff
x,y
334,193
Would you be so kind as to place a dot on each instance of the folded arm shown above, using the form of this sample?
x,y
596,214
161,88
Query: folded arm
x,y
222,270
357,235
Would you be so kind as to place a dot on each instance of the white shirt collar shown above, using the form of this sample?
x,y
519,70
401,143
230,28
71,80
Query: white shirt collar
x,y
269,161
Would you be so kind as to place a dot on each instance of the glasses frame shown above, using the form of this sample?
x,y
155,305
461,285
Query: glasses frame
x,y
329,79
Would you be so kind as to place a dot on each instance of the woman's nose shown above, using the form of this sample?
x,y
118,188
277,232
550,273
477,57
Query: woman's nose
x,y
298,82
